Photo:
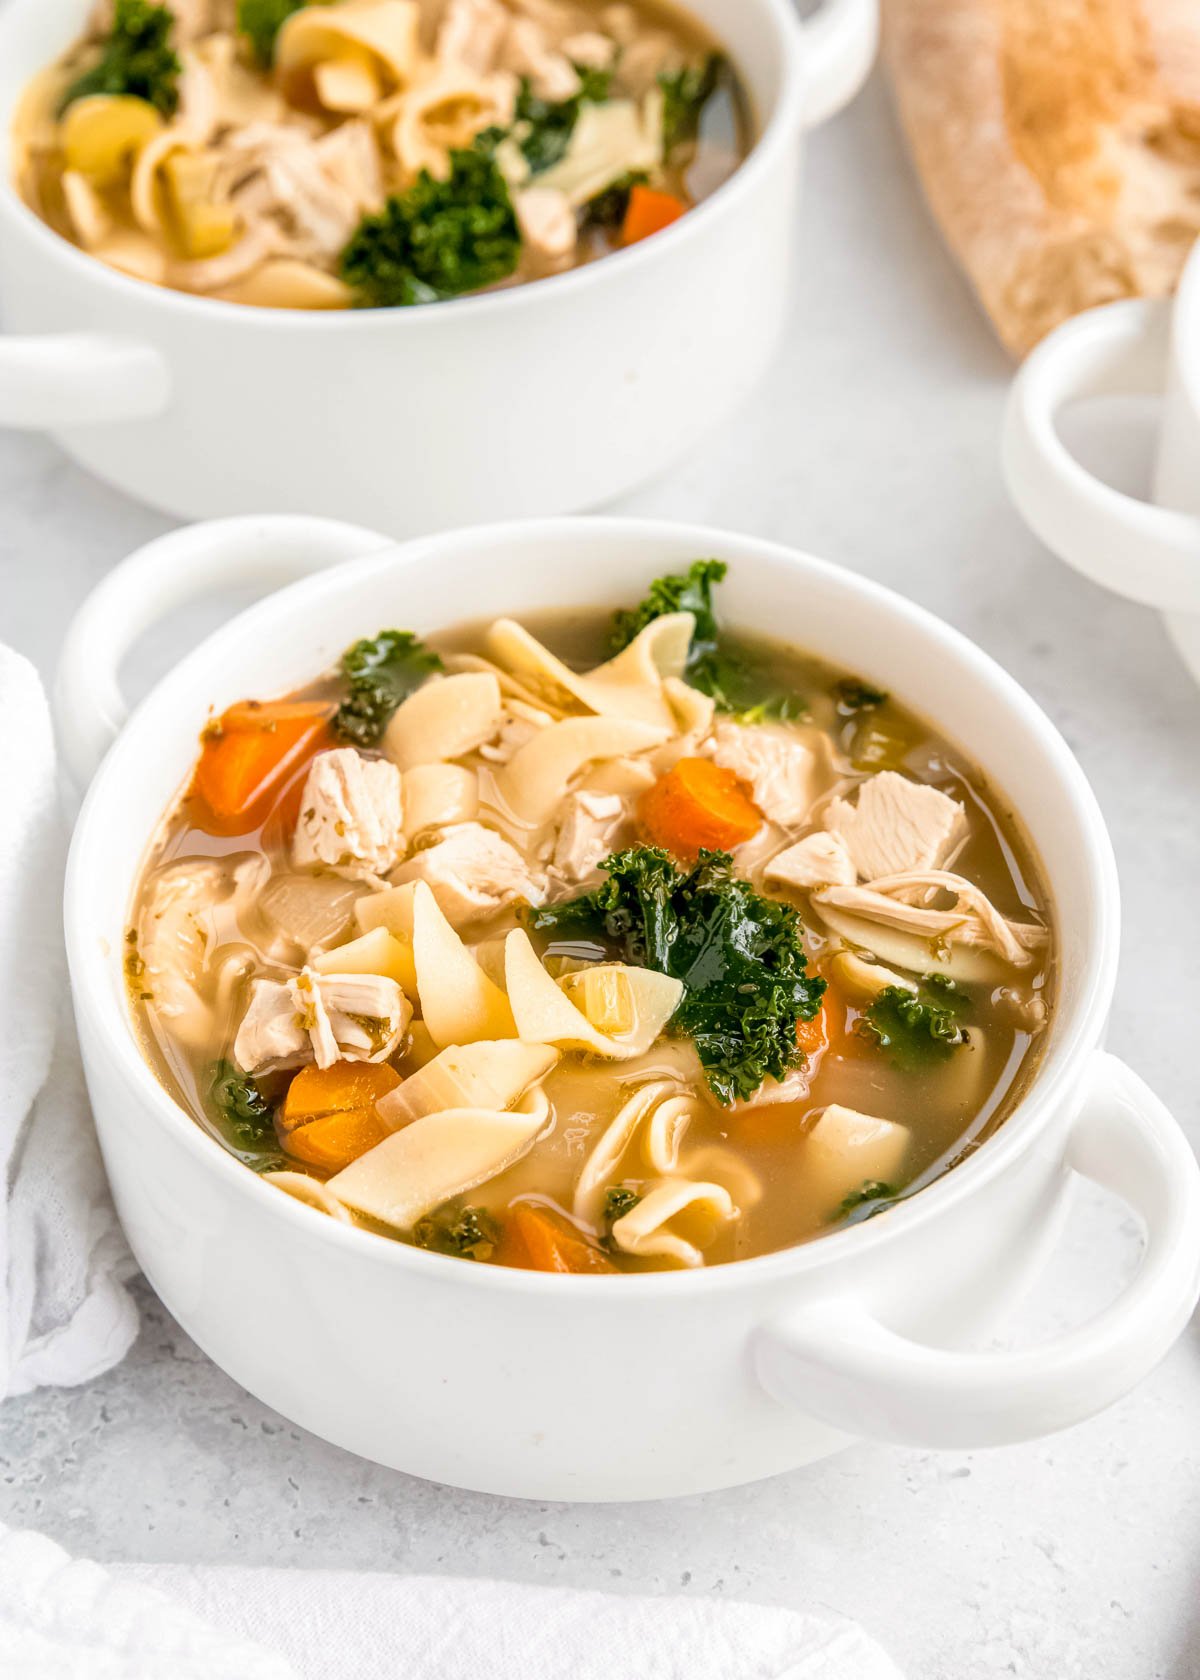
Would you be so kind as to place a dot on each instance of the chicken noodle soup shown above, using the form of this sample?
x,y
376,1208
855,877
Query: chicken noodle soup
x,y
590,945
374,152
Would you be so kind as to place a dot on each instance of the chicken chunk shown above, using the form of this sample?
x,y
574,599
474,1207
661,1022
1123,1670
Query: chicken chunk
x,y
187,909
781,769
470,33
819,860
548,227
324,1018
897,826
473,872
350,815
586,834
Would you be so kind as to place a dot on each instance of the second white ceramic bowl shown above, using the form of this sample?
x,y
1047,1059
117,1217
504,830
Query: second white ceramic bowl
x,y
1148,552
614,1387
539,399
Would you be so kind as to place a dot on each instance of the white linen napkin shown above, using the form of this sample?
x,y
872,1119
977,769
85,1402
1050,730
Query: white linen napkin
x,y
65,1619
65,1315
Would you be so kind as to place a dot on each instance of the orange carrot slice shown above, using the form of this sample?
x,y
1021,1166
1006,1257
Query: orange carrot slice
x,y
329,1116
649,212
247,753
699,804
540,1241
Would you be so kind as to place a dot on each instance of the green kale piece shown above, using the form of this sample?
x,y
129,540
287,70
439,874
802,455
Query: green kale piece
x,y
740,957
917,1029
136,58
260,22
685,94
854,695
245,1116
381,672
543,127
619,1200
437,239
470,1233
870,1198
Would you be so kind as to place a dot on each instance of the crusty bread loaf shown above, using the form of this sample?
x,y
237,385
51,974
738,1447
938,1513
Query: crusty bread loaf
x,y
1059,145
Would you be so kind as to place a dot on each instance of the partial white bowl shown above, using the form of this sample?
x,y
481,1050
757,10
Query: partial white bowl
x,y
540,399
1148,552
628,1387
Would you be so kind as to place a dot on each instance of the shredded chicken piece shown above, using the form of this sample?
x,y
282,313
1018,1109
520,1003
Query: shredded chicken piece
x,y
897,825
896,901
819,860
473,872
180,926
470,33
350,815
586,834
781,770
324,1018
517,728
548,227
350,157
526,53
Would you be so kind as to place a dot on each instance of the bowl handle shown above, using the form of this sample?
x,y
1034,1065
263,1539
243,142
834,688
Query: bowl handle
x,y
89,706
840,44
52,380
1149,554
840,1364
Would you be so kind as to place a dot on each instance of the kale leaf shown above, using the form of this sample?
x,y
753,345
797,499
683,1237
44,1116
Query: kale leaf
x,y
261,20
543,127
870,1198
619,1200
730,675
739,955
685,94
381,671
690,591
609,208
917,1029
438,238
470,1233
854,695
246,1118
136,59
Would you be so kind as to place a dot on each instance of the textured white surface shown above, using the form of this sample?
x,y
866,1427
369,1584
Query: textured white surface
x,y
875,442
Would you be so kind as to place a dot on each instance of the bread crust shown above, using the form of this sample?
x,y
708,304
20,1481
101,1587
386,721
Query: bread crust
x,y
1058,142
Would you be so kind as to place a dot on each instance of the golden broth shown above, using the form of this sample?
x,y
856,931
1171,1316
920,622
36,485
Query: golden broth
x,y
948,1106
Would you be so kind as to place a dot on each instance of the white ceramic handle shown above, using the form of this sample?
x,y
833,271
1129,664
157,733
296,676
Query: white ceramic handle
x,y
79,379
1147,553
840,43
839,1363
89,706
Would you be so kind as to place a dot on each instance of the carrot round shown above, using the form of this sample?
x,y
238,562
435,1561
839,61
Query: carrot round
x,y
699,804
813,1036
329,1117
540,1241
649,212
247,753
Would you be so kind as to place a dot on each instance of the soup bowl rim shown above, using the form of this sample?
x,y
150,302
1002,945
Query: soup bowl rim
x,y
777,132
1055,1080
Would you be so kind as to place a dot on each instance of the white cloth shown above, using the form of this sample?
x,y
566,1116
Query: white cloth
x,y
63,1619
65,1315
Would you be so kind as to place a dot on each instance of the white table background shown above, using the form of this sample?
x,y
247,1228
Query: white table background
x,y
874,442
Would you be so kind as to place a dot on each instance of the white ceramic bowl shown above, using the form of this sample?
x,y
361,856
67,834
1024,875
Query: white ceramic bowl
x,y
1147,552
540,399
614,1388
